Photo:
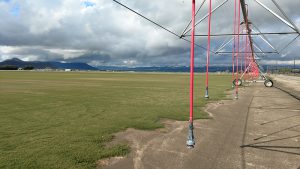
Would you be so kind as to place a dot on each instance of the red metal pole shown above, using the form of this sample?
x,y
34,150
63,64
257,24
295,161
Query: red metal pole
x,y
190,141
192,56
208,49
238,50
245,56
234,40
242,58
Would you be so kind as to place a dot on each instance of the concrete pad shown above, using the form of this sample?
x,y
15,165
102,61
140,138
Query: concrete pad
x,y
259,130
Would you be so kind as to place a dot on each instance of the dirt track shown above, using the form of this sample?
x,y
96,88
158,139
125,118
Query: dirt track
x,y
289,84
292,82
260,130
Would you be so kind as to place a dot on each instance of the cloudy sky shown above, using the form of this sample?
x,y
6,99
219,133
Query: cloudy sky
x,y
101,32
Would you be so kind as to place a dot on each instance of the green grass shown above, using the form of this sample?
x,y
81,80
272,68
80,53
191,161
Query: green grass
x,y
64,119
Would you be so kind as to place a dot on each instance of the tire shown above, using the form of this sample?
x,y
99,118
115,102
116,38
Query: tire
x,y
268,83
239,82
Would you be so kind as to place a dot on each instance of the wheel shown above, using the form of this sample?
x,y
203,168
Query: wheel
x,y
268,83
239,82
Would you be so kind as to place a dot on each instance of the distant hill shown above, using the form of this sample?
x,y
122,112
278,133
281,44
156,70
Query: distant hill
x,y
43,65
164,69
15,63
184,68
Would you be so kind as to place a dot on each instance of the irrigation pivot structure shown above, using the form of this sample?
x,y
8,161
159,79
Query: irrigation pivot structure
x,y
244,51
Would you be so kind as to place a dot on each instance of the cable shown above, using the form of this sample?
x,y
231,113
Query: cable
x,y
252,34
182,34
155,23
294,39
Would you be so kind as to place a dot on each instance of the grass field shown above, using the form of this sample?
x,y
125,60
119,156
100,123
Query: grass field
x,y
64,119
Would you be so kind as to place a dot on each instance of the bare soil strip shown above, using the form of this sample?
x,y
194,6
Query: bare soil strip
x,y
260,130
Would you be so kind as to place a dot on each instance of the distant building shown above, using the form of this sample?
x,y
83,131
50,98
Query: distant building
x,y
20,68
68,70
47,69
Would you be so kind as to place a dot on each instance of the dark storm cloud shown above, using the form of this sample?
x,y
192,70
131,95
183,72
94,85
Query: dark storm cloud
x,y
101,32
91,57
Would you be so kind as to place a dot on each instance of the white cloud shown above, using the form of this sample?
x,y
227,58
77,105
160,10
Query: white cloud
x,y
103,32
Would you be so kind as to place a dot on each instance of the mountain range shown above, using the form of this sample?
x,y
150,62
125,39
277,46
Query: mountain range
x,y
164,69
17,63
45,65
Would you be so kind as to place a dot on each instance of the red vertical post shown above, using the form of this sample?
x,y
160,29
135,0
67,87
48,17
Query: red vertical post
x,y
192,56
190,141
234,41
208,49
241,57
246,53
244,50
238,50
